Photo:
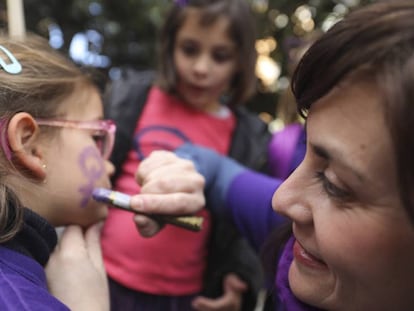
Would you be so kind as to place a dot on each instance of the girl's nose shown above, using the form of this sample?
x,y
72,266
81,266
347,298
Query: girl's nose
x,y
291,198
201,65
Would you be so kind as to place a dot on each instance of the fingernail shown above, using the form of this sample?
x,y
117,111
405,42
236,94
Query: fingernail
x,y
137,203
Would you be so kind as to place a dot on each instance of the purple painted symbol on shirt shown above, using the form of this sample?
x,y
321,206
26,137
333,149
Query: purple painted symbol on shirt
x,y
92,166
158,137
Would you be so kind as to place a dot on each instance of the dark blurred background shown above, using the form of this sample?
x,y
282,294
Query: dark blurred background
x,y
109,34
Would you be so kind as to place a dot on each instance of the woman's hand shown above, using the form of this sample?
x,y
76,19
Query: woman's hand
x,y
169,185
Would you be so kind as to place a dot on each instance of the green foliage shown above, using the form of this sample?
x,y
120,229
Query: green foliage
x,y
130,27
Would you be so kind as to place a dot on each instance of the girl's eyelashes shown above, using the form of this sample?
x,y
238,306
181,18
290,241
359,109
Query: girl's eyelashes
x,y
218,55
99,139
330,188
222,56
189,49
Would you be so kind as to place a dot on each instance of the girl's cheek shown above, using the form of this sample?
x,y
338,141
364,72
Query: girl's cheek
x,y
92,167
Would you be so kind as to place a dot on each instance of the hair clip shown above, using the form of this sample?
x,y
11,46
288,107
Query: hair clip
x,y
181,2
14,67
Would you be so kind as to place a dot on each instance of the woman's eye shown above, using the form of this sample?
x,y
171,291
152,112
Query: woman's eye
x,y
330,188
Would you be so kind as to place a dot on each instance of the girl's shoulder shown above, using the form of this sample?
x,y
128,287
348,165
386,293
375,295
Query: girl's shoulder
x,y
250,140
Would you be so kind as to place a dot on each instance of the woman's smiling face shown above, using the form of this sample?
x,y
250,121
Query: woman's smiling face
x,y
354,240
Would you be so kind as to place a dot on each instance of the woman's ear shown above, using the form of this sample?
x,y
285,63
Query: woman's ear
x,y
23,136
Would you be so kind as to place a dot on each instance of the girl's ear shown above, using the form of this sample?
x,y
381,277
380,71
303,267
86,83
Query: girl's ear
x,y
23,134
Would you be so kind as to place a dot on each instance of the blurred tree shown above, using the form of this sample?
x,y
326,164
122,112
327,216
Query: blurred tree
x,y
112,33
285,30
128,27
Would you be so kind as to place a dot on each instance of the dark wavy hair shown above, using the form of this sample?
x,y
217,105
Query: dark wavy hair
x,y
242,31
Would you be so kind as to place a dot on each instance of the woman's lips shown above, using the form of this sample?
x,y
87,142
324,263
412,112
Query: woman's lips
x,y
307,259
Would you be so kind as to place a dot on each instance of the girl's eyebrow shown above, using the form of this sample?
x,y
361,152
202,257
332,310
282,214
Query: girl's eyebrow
x,y
338,157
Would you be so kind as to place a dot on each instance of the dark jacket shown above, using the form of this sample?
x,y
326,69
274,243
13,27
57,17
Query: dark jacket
x,y
229,252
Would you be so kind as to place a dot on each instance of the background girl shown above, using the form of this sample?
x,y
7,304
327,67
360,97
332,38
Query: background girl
x,y
206,73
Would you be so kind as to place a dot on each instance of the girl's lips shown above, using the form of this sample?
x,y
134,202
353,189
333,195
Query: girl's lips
x,y
197,89
307,259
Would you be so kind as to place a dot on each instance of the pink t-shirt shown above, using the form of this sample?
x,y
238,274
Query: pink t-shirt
x,y
173,262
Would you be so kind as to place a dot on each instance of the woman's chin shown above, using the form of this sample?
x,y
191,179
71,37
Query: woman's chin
x,y
310,287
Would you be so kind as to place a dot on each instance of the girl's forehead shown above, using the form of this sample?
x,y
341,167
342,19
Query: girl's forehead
x,y
195,18
83,104
214,34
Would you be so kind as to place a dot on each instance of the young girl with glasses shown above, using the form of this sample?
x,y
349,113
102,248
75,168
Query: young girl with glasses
x,y
54,152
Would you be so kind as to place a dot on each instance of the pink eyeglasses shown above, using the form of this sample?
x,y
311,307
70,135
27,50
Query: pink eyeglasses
x,y
103,131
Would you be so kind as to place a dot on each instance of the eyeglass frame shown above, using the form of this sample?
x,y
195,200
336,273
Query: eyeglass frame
x,y
107,125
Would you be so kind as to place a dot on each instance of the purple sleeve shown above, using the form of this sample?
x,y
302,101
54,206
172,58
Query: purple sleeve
x,y
236,192
249,201
286,150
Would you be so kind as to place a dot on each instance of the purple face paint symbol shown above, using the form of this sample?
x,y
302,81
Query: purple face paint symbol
x,y
92,166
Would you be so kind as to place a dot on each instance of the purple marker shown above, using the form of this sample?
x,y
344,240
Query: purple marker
x,y
122,201
115,198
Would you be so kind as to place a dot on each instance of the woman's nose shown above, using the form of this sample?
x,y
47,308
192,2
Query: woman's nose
x,y
291,198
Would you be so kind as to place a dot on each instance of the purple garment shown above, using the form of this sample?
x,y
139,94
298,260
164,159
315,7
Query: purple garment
x,y
282,149
249,201
246,196
23,284
252,212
